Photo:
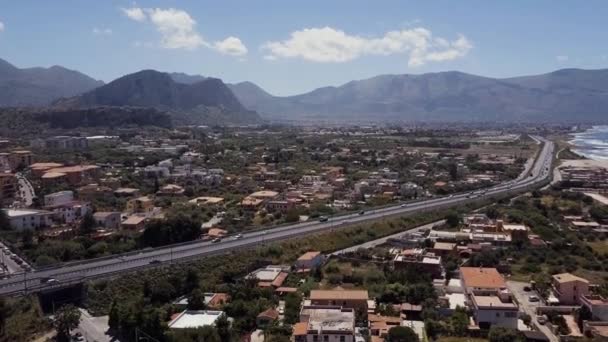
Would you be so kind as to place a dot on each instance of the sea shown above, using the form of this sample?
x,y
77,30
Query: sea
x,y
592,143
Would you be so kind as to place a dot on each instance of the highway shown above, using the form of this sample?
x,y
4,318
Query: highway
x,y
71,273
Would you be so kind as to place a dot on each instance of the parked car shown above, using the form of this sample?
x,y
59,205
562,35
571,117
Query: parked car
x,y
533,298
216,240
542,319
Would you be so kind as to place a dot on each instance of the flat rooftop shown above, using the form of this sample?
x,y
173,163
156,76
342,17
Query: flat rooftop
x,y
195,319
329,319
493,302
269,273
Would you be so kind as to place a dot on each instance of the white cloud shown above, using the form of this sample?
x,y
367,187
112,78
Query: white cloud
x,y
1,26
178,31
330,45
102,31
177,28
135,13
231,46
562,58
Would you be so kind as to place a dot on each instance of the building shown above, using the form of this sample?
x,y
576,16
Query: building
x,y
495,310
70,212
8,188
598,331
280,205
419,260
266,317
193,319
270,276
171,190
518,232
309,261
325,324
142,204
354,299
107,219
597,305
569,289
38,169
29,219
481,281
20,159
73,175
91,192
134,222
61,142
58,198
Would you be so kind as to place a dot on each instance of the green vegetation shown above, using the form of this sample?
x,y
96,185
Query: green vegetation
x,y
21,319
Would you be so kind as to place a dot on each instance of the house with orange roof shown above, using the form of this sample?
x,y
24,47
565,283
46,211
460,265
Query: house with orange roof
x,y
309,261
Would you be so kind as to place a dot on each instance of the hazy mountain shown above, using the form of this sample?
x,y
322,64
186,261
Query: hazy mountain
x,y
564,95
208,101
180,77
40,86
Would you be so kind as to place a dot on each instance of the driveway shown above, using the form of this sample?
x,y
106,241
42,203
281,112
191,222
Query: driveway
x,y
523,299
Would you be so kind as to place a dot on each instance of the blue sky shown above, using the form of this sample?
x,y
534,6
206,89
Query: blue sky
x,y
288,47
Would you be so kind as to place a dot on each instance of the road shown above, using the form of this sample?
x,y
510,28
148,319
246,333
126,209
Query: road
x,y
93,328
378,242
26,190
108,266
9,264
523,300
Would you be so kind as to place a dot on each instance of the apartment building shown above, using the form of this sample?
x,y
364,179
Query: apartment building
x,y
355,299
569,289
9,187
325,324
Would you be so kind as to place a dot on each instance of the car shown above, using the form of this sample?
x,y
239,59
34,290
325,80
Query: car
x,y
533,298
403,205
49,281
216,240
362,212
527,288
155,261
323,219
450,196
238,236
281,310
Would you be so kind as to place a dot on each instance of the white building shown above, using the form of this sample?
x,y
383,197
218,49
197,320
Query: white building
x,y
325,323
193,319
28,219
58,198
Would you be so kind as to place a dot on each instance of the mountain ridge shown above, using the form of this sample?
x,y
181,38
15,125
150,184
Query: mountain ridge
x,y
565,95
40,86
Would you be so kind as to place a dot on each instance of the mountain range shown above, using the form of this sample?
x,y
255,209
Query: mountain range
x,y
40,86
564,95
204,100
573,95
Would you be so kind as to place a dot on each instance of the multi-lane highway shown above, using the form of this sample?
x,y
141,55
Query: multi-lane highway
x,y
534,175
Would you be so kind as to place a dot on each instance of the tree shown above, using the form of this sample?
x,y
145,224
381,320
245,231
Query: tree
x,y
3,315
67,318
114,317
292,307
459,321
223,328
452,218
402,334
87,224
196,300
500,334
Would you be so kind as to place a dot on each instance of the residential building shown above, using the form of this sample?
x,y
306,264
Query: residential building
x,y
58,198
29,219
598,331
107,219
597,305
193,319
481,281
266,317
270,276
142,204
134,222
20,159
569,289
69,212
325,324
8,188
171,190
494,310
355,299
309,261
420,260
73,175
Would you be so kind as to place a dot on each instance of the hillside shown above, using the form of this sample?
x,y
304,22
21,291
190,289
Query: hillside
x,y
563,95
187,103
40,86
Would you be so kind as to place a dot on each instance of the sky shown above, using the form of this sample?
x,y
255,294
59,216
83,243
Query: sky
x,y
290,47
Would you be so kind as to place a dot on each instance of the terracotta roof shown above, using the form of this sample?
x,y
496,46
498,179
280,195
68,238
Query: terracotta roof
x,y
339,295
300,329
280,279
286,289
270,313
309,255
218,299
482,277
568,277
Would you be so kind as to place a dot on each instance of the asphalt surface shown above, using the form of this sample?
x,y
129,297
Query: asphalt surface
x,y
71,273
523,299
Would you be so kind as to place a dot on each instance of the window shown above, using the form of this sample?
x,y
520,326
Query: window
x,y
510,314
342,338
315,338
325,338
498,314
